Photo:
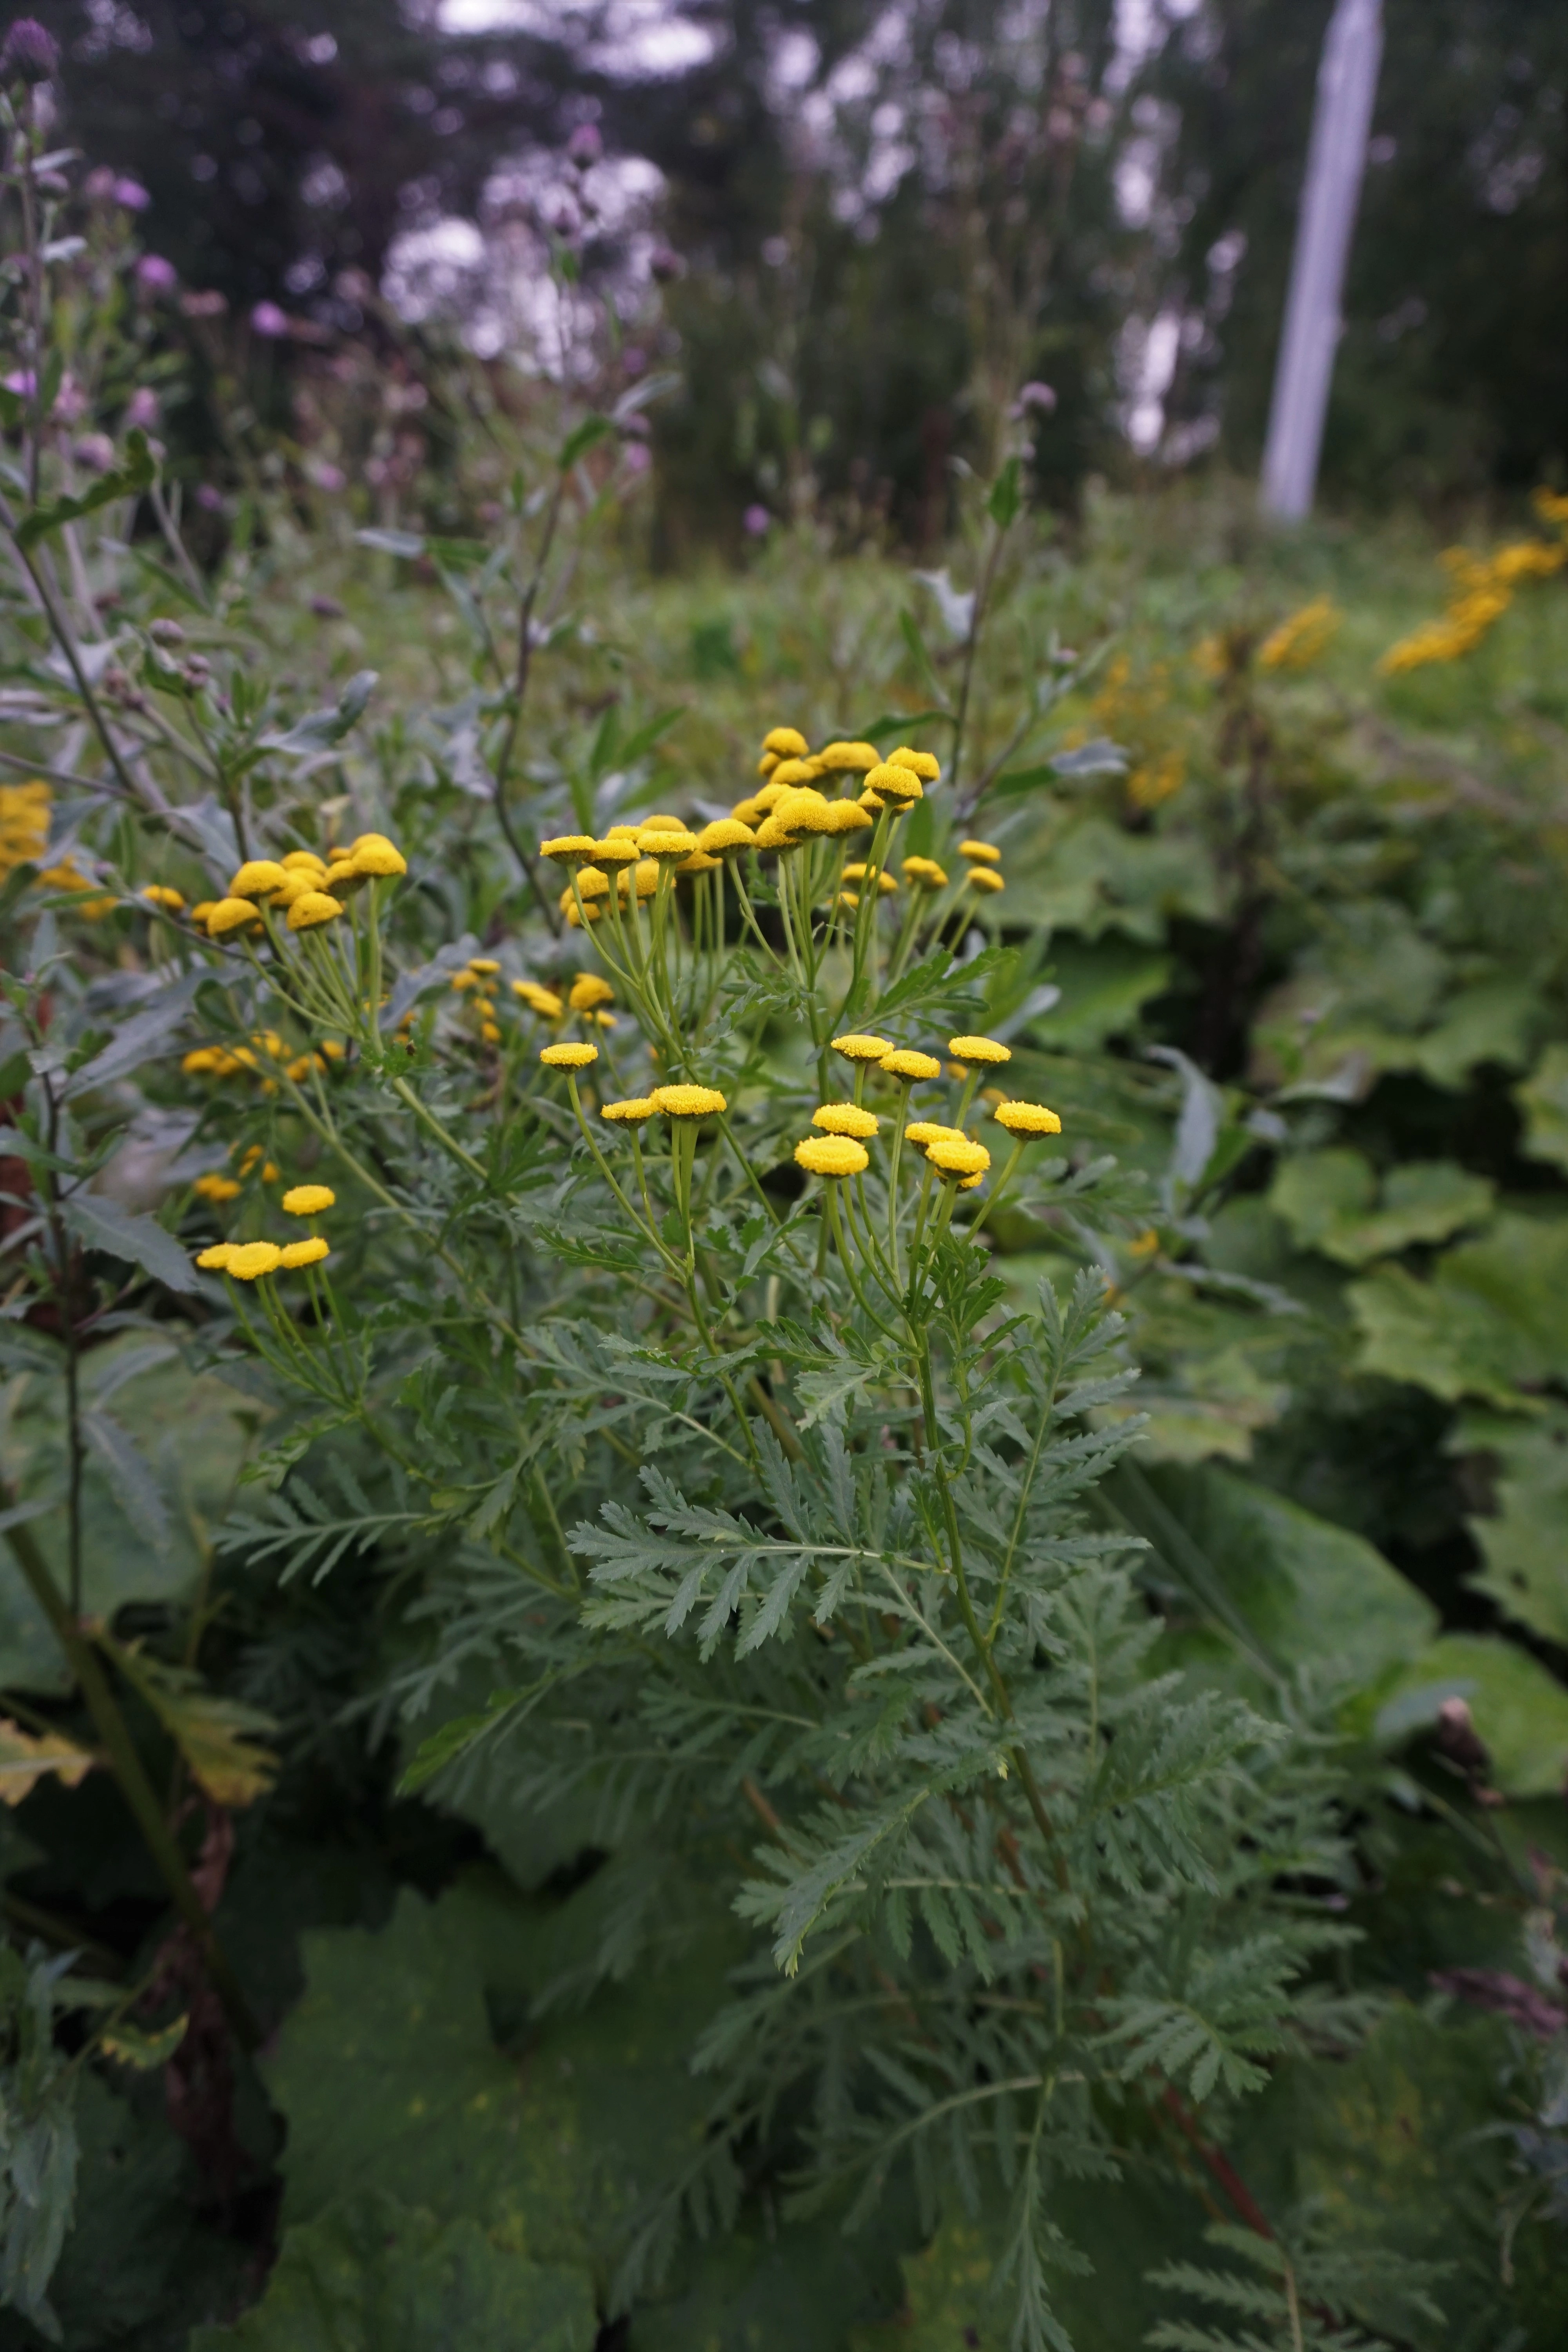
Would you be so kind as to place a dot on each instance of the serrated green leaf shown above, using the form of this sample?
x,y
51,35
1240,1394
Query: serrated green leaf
x,y
373,2275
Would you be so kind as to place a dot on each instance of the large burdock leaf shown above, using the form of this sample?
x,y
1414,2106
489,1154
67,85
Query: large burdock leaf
x,y
388,2072
1520,1710
1524,1541
373,2276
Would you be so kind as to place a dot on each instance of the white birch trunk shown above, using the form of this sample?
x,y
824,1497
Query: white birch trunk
x,y
1336,159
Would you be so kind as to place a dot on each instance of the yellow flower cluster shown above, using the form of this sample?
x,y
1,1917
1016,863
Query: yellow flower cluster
x,y
1136,711
1299,640
23,839
250,1261
311,890
1483,591
266,1045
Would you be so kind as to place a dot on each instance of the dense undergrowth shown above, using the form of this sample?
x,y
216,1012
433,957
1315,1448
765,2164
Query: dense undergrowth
x,y
689,1734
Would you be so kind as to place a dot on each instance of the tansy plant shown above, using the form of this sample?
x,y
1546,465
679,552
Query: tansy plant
x,y
689,1328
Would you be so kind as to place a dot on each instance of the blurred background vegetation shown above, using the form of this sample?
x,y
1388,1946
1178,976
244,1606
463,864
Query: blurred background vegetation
x,y
857,227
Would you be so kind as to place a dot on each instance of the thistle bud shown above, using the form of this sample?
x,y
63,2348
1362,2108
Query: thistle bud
x,y
29,54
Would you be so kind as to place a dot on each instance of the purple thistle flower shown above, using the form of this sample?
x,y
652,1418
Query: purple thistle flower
x,y
665,265
29,54
585,146
131,195
266,320
209,500
23,382
95,451
142,409
756,521
156,276
1034,399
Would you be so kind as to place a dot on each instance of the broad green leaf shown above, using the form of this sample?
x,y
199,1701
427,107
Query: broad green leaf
x,y
193,1429
1438,1338
1104,986
1328,1199
25,1756
1520,1710
373,2276
787,2287
1397,2147
1493,1021
388,2074
1306,1588
1525,1543
133,2253
1544,1098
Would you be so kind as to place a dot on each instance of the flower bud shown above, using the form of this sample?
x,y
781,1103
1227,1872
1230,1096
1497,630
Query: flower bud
x,y
30,54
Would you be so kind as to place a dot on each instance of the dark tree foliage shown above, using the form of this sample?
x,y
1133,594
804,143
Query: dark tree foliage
x,y
274,140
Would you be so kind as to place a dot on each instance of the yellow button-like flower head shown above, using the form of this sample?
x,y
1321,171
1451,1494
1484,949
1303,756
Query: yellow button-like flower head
x,y
632,1112
856,1048
310,1200
923,1131
256,877
302,861
724,836
666,842
831,1155
747,812
158,894
787,741
253,1259
200,912
229,915
1026,1119
568,1057
982,878
908,1066
767,763
980,853
979,1049
314,907
215,1260
591,883
216,1188
616,850
919,763
372,854
925,873
569,848
893,781
543,1001
845,1118
790,775
342,877
958,1156
688,1102
845,817
839,758
699,863
308,1252
588,990
483,963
